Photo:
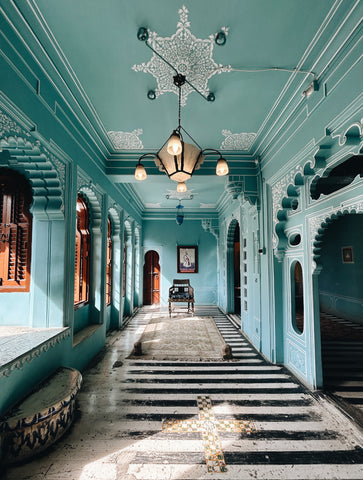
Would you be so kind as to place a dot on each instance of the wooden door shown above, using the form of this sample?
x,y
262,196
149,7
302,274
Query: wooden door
x,y
151,278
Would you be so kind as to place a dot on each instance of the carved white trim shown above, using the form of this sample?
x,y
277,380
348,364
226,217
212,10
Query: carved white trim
x,y
9,127
126,140
279,189
184,51
237,141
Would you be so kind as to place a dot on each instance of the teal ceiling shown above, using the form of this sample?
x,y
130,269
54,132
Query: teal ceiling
x,y
99,41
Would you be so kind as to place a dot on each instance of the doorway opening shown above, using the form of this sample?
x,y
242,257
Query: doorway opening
x,y
237,271
151,285
234,269
341,312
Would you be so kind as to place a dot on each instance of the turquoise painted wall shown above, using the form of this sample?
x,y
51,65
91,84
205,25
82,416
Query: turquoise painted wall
x,y
164,236
340,284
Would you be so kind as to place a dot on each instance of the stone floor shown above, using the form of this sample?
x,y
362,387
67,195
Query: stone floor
x,y
164,420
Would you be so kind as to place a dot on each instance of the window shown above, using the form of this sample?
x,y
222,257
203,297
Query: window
x,y
297,297
109,263
82,256
15,232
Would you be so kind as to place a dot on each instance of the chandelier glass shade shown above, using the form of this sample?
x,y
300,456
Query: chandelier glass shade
x,y
179,168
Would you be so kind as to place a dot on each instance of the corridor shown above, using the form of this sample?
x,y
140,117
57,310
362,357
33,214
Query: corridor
x,y
144,419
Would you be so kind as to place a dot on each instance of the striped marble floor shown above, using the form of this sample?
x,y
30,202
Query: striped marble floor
x,y
162,420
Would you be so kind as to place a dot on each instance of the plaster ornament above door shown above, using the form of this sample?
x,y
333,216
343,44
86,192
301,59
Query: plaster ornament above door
x,y
189,55
126,140
237,141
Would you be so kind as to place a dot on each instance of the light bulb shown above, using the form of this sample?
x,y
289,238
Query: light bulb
x,y
140,172
181,187
174,145
222,167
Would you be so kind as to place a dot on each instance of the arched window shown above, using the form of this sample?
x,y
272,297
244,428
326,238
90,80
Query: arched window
x,y
83,254
109,263
15,232
297,297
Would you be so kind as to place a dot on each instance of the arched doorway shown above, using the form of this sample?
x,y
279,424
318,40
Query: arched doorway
x,y
151,278
234,268
237,271
341,311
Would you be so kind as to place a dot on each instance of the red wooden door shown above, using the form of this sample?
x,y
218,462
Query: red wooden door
x,y
151,278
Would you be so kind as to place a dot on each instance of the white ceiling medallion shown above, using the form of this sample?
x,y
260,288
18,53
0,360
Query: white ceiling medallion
x,y
126,140
237,141
189,55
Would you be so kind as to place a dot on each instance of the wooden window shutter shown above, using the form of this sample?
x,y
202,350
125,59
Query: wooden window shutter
x,y
109,263
82,254
15,233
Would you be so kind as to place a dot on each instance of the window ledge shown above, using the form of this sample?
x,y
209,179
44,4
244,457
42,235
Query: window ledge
x,y
19,345
86,332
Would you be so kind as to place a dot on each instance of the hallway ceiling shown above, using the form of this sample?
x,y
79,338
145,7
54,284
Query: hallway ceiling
x,y
99,41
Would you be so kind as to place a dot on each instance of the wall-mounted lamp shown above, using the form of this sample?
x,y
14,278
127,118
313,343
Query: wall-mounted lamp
x,y
313,87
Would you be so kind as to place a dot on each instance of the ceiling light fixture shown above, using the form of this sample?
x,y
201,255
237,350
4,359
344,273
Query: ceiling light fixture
x,y
176,158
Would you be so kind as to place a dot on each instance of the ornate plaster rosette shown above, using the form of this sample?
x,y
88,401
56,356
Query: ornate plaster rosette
x,y
189,55
237,141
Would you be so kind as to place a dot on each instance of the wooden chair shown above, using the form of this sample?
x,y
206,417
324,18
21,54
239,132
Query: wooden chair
x,y
181,291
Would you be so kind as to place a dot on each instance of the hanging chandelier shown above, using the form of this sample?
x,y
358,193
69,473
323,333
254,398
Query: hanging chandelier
x,y
176,157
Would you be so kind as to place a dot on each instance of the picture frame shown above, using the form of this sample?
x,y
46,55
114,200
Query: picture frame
x,y
347,255
187,259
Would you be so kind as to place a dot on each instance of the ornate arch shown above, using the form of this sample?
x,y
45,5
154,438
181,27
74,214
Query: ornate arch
x,y
286,194
319,224
115,218
128,229
230,232
30,159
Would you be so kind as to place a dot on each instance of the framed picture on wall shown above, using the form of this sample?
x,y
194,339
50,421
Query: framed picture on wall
x,y
347,255
187,259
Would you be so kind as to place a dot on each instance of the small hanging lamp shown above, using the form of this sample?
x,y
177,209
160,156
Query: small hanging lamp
x,y
179,214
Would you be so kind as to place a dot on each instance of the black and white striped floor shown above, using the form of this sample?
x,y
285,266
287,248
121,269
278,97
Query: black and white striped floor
x,y
266,425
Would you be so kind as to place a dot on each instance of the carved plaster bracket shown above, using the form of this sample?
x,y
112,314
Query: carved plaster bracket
x,y
212,226
235,186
